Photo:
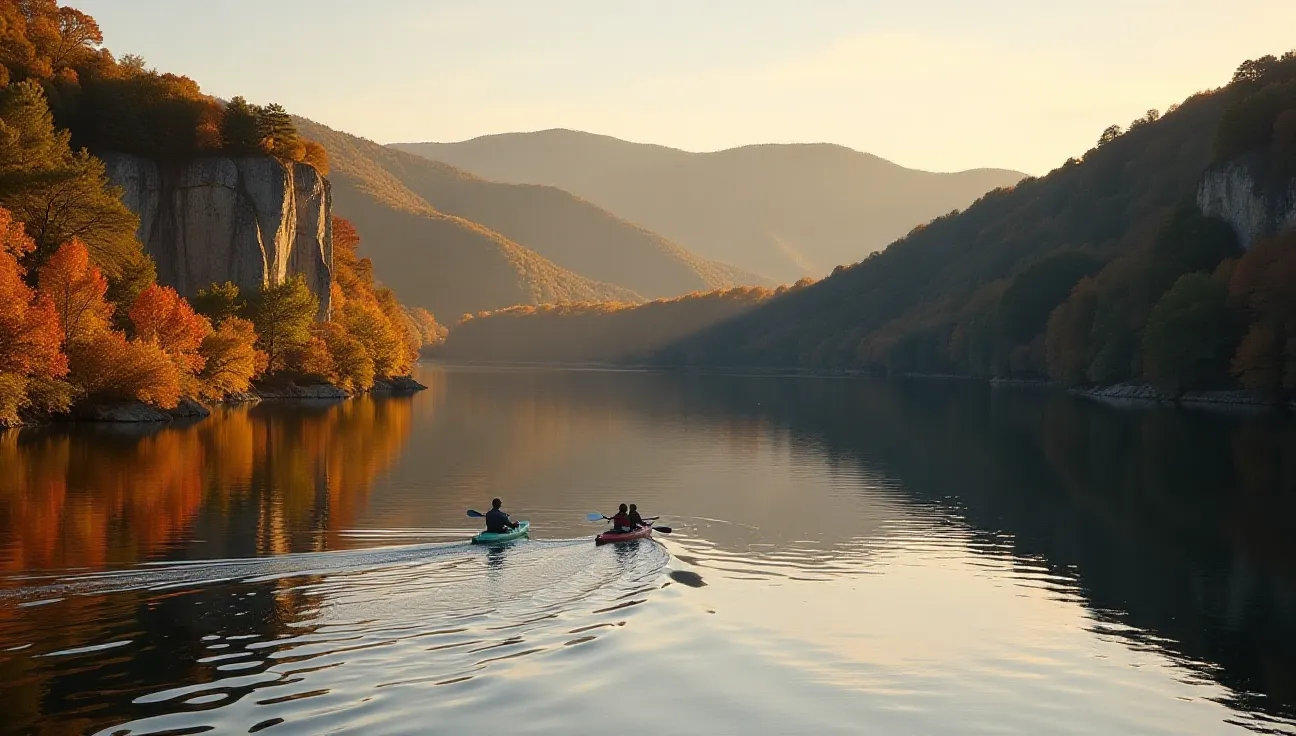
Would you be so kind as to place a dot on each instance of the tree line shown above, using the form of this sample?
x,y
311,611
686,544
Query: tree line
x,y
64,341
111,104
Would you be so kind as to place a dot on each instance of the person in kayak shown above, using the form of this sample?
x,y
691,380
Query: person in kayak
x,y
636,521
498,522
621,522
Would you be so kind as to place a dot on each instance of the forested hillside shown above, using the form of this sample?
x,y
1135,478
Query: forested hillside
x,y
1144,285
783,211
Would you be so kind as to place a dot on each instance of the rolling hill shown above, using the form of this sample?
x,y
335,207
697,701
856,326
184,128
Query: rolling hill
x,y
783,211
579,241
432,259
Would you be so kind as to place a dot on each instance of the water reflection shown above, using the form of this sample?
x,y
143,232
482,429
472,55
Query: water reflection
x,y
250,481
255,480
965,555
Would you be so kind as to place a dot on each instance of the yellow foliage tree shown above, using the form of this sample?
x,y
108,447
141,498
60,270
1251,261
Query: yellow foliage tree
x,y
231,359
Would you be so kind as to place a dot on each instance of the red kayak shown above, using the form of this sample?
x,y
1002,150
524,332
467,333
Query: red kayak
x,y
642,532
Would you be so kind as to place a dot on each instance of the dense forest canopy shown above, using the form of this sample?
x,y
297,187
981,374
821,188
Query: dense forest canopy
x,y
1056,277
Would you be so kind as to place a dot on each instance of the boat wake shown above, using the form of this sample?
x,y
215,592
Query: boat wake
x,y
298,636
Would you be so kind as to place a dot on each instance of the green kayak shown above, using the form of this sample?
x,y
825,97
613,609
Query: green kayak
x,y
489,538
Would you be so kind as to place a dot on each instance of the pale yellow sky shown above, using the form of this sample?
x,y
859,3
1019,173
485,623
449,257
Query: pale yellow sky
x,y
934,84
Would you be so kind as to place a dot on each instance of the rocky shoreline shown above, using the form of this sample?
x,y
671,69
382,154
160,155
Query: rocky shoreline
x,y
1127,393
138,412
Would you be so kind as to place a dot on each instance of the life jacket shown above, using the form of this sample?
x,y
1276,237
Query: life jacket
x,y
621,520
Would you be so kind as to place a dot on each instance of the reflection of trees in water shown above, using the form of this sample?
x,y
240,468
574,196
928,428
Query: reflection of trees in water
x,y
78,497
1178,523
265,479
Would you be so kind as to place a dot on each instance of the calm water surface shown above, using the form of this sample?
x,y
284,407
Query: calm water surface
x,y
849,557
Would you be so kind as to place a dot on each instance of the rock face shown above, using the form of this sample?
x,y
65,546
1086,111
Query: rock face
x,y
1255,210
252,220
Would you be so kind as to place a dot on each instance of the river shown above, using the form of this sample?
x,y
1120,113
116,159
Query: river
x,y
848,556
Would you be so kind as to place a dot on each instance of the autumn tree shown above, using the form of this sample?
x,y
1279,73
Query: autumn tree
x,y
365,321
316,155
104,364
352,367
162,316
113,368
231,360
30,337
76,288
312,360
77,33
283,314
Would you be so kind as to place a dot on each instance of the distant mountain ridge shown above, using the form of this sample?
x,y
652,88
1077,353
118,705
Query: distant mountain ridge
x,y
781,210
432,259
456,243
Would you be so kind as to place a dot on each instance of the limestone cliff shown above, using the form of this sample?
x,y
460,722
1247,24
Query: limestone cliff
x,y
1254,208
250,220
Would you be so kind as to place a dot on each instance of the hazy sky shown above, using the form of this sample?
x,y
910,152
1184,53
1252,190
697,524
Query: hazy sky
x,y
934,84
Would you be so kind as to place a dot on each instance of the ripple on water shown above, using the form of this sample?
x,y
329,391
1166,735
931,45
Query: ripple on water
x,y
363,622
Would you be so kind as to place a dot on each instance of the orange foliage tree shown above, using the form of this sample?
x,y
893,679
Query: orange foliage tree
x,y
30,336
103,363
161,315
112,368
77,289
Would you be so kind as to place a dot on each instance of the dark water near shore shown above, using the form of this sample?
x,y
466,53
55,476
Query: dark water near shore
x,y
849,556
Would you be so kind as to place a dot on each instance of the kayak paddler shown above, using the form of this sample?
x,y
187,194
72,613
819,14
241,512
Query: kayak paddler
x,y
636,521
498,522
621,522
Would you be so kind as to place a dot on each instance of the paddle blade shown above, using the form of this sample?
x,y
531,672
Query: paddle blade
x,y
476,514
594,517
663,529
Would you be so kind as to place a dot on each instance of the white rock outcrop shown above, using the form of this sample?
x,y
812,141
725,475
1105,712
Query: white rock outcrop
x,y
252,220
1231,192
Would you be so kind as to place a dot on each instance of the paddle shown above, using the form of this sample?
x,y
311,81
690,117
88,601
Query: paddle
x,y
662,529
476,514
